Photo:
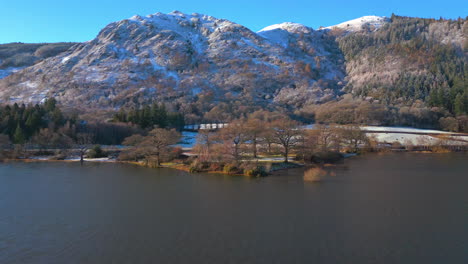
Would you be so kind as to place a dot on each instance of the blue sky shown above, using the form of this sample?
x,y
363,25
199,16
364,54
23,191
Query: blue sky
x,y
61,20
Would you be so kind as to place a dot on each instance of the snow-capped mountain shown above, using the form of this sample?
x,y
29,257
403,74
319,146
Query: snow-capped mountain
x,y
206,67
184,58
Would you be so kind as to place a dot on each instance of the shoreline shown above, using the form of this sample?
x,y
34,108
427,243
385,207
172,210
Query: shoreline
x,y
176,166
186,168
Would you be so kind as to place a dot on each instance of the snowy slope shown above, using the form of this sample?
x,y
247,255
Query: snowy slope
x,y
8,71
182,57
280,33
371,22
287,26
414,136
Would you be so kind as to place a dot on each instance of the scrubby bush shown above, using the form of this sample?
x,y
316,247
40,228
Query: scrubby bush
x,y
216,166
232,169
258,171
96,152
325,157
130,155
175,153
198,166
18,152
397,145
60,155
190,160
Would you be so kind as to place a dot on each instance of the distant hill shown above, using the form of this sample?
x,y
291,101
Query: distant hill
x,y
16,56
22,54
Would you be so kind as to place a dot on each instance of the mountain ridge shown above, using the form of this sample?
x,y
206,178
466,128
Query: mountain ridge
x,y
206,67
170,45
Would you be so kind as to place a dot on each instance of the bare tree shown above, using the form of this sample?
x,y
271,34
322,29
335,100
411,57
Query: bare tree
x,y
46,138
261,128
254,129
133,140
83,143
156,144
206,137
326,137
205,141
134,152
288,134
352,137
233,136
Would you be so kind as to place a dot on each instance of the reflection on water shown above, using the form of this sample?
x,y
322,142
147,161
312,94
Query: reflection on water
x,y
315,174
393,208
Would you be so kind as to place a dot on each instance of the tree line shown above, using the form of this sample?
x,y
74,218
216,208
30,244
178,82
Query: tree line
x,y
237,147
149,116
20,122
264,132
45,126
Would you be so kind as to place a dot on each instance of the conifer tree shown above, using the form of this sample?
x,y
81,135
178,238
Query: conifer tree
x,y
19,137
460,104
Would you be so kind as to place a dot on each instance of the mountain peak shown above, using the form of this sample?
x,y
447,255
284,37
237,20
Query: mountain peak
x,y
287,26
172,15
281,33
358,23
176,12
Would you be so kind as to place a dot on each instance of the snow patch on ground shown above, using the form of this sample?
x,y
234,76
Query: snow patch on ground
x,y
286,26
271,65
65,59
183,24
407,136
404,130
423,140
30,84
92,160
279,37
9,71
279,33
41,158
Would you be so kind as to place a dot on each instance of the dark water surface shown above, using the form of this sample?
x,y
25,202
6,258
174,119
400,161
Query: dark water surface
x,y
393,208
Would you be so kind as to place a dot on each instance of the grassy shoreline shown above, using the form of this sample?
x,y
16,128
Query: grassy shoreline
x,y
269,161
276,166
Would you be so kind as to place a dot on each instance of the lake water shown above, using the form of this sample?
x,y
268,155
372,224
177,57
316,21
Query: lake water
x,y
392,208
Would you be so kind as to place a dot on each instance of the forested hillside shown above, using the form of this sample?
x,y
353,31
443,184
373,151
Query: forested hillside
x,y
410,59
410,71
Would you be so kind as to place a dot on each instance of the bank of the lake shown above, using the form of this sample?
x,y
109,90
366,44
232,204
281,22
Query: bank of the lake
x,y
271,164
